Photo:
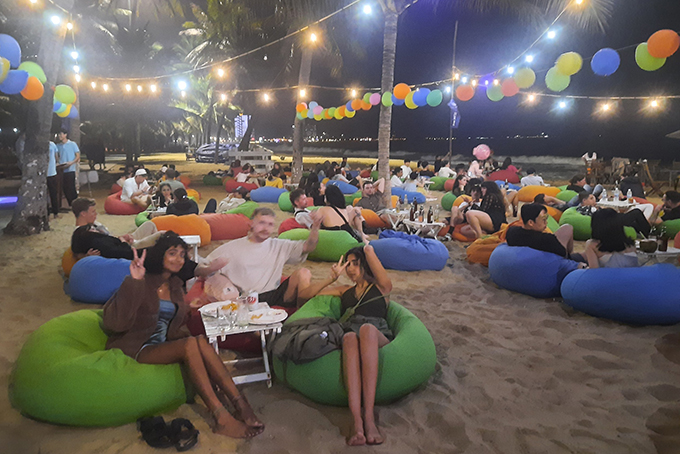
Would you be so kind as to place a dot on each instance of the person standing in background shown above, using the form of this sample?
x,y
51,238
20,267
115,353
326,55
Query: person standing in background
x,y
52,182
69,156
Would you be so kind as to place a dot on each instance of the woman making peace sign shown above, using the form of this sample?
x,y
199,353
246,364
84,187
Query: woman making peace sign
x,y
144,319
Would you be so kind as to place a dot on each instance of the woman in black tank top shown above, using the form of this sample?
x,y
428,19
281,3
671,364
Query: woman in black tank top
x,y
364,308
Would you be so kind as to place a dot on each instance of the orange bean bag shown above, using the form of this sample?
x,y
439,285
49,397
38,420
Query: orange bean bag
x,y
372,219
555,213
480,250
232,185
461,199
194,193
459,236
290,224
115,188
67,261
190,224
448,184
227,226
113,205
185,180
528,193
395,199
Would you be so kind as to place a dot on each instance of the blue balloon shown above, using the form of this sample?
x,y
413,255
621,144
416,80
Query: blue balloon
x,y
420,97
73,113
10,49
310,112
14,83
605,62
397,101
57,106
348,106
311,106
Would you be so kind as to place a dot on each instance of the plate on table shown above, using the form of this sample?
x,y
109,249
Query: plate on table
x,y
267,316
211,309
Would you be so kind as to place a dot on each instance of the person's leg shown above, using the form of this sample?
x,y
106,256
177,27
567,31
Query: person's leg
x,y
187,351
565,235
370,340
52,188
351,367
597,191
646,208
147,241
637,220
573,202
70,186
480,222
298,280
357,224
211,206
457,216
141,201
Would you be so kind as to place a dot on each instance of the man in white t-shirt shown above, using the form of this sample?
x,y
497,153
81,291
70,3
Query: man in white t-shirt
x,y
136,190
406,168
255,263
532,179
302,215
446,171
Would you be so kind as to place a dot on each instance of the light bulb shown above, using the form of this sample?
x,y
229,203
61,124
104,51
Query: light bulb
x,y
368,9
266,97
74,55
93,85
354,93
55,20
153,88
139,88
223,97
220,72
313,37
69,26
105,87
529,59
511,70
496,82
552,34
563,105
303,93
76,69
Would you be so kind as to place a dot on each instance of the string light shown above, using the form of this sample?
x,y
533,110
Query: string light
x,y
552,34
562,104
78,78
354,93
223,97
69,26
220,72
496,82
128,87
76,69
266,97
529,59
368,9
34,1
511,70
139,88
105,87
303,93
486,82
182,85
605,107
56,20
74,55
654,104
153,88
474,83
313,37
464,80
531,98
447,89
183,94
93,85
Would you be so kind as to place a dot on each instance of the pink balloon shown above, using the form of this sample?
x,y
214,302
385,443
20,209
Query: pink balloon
x,y
318,110
374,99
481,152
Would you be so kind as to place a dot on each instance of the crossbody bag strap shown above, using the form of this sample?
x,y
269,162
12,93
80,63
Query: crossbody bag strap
x,y
340,214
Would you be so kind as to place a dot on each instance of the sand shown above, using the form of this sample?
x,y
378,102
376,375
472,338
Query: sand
x,y
514,375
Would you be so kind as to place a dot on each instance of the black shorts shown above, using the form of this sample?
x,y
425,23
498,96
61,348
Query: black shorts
x,y
275,297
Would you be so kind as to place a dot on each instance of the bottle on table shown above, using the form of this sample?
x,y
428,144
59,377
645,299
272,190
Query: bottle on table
x,y
415,204
421,215
412,213
603,195
429,215
662,240
617,192
629,195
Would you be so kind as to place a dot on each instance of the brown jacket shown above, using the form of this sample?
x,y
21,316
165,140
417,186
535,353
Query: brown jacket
x,y
131,315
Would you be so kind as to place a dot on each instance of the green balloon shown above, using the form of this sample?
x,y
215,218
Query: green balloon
x,y
495,93
299,116
387,99
64,94
367,97
556,81
331,111
646,61
33,69
434,98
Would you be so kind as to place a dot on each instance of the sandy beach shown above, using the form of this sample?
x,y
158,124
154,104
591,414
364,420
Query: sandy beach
x,y
514,375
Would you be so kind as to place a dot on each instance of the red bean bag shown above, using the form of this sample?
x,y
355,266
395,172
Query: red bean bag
x,y
194,193
185,180
227,226
528,193
67,261
231,185
502,175
641,200
115,188
290,224
448,184
459,236
676,241
365,174
113,205
190,224
372,219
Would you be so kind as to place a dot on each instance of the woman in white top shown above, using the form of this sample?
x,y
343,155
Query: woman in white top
x,y
610,247
476,169
247,175
395,181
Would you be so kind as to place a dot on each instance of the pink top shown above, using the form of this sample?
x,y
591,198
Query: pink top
x,y
475,171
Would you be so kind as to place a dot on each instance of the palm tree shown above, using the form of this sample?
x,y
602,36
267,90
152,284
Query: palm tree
x,y
594,15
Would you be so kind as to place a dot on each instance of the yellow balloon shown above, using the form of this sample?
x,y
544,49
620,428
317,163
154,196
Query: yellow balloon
x,y
569,64
525,78
4,69
409,101
337,114
65,113
351,114
318,117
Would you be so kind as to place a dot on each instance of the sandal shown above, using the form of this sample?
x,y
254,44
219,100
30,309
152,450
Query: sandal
x,y
183,434
155,432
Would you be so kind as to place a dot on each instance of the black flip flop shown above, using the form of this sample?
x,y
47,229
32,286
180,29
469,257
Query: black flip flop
x,y
155,432
183,433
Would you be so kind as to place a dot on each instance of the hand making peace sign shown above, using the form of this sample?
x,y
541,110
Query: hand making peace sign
x,y
338,268
137,270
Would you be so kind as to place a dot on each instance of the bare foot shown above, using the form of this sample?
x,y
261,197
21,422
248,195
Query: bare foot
x,y
357,438
225,424
246,413
373,435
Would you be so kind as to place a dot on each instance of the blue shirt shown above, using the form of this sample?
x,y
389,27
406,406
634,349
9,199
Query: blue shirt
x,y
52,161
67,153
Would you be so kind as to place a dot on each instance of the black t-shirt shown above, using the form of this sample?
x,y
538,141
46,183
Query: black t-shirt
x,y
575,188
635,186
519,236
182,207
672,214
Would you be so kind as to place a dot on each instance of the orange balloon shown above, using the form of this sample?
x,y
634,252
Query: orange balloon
x,y
356,104
465,92
300,107
34,89
663,43
327,115
509,87
401,91
342,110
366,105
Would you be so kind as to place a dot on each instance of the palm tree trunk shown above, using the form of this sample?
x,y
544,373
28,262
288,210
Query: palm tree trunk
x,y
299,132
387,82
30,214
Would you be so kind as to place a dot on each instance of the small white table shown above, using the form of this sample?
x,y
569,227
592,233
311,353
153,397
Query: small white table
x,y
671,254
194,241
619,205
424,228
216,329
396,217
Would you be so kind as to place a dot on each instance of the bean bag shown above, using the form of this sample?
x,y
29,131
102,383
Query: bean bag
x,y
554,213
566,196
676,241
553,226
404,364
447,201
580,222
511,186
247,209
332,245
529,271
395,199
420,198
232,185
448,184
503,175
350,198
67,261
481,249
115,188
266,194
185,180
346,188
142,217
64,375
290,224
375,175
352,174
95,279
190,224
212,180
438,183
672,227
528,193
325,180
563,187
226,226
400,251
365,174
193,194
615,293
461,199
458,235
113,205
373,220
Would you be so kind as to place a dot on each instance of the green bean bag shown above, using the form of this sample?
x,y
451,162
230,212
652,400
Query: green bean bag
x,y
245,209
562,188
142,218
581,224
65,376
332,245
284,202
375,175
552,224
405,363
672,227
447,201
438,184
212,180
349,198
566,196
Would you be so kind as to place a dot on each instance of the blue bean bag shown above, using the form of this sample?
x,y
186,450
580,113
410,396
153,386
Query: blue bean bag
x,y
420,198
514,187
95,279
529,271
266,194
346,188
352,174
646,295
400,251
